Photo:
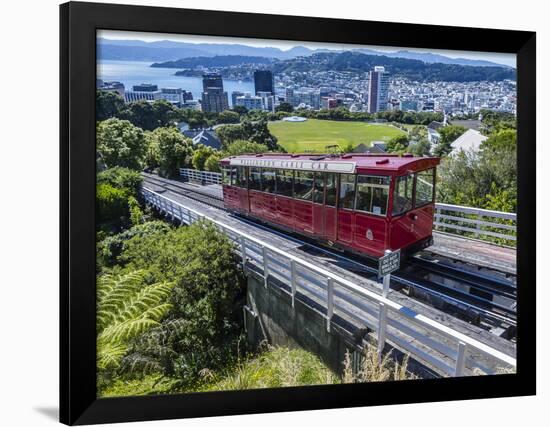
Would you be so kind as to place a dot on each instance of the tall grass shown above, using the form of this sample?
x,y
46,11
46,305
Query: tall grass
x,y
374,368
275,367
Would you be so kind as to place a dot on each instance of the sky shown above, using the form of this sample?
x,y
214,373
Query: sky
x,y
499,58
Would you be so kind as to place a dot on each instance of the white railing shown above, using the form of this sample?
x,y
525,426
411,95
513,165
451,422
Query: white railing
x,y
204,177
425,339
478,222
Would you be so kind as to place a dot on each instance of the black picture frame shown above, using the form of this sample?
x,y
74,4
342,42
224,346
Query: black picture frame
x,y
78,25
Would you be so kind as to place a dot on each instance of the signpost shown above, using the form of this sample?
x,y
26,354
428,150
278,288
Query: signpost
x,y
387,265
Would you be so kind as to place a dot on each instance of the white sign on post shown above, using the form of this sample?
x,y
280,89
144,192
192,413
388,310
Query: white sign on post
x,y
387,264
390,262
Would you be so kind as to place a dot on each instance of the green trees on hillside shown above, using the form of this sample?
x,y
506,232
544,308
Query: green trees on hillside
x,y
256,132
202,290
398,144
120,143
448,134
174,150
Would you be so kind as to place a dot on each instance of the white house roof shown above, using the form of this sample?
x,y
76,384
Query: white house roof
x,y
469,140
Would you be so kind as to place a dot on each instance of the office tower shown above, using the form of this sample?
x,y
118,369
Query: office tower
x,y
212,80
214,99
379,83
263,81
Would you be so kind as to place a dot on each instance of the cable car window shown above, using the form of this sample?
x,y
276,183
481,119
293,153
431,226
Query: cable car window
x,y
226,177
347,191
284,180
380,200
372,194
303,185
268,180
330,189
425,187
233,173
318,185
241,177
403,194
255,179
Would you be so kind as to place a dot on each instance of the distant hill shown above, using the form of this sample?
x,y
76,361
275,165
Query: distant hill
x,y
213,61
167,50
410,68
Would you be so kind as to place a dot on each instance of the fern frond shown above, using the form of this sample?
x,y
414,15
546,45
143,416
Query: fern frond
x,y
109,355
112,294
126,308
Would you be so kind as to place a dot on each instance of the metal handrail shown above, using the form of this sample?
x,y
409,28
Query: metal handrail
x,y
402,319
449,220
203,176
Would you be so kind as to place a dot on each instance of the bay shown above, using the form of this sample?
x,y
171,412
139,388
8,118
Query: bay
x,y
132,73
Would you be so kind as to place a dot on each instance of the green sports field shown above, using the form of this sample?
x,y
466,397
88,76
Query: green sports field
x,y
315,135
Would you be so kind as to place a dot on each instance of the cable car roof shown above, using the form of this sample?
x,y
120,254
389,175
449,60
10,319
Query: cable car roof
x,y
345,163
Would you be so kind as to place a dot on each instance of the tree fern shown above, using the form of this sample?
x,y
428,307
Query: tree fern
x,y
126,308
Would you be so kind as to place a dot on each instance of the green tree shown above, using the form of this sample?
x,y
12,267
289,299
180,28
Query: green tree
x,y
201,154
175,150
111,247
420,147
121,178
259,132
241,110
119,143
448,134
108,104
228,116
204,318
284,107
245,147
397,144
229,134
113,211
505,140
212,164
152,155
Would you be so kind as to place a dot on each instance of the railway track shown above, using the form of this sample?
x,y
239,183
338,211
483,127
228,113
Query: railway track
x,y
487,300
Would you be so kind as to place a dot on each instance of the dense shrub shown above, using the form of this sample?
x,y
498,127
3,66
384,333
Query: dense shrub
x,y
112,205
111,247
121,178
120,143
206,314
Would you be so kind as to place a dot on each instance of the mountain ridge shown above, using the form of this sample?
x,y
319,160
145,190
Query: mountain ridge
x,y
168,50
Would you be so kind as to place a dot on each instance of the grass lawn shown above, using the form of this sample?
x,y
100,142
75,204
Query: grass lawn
x,y
315,135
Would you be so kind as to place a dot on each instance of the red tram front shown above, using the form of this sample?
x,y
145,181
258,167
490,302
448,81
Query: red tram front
x,y
361,203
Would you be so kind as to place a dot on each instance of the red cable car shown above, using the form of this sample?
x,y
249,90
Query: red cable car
x,y
362,203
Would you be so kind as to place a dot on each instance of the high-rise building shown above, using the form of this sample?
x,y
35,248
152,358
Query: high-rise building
x,y
214,99
379,83
263,81
212,80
